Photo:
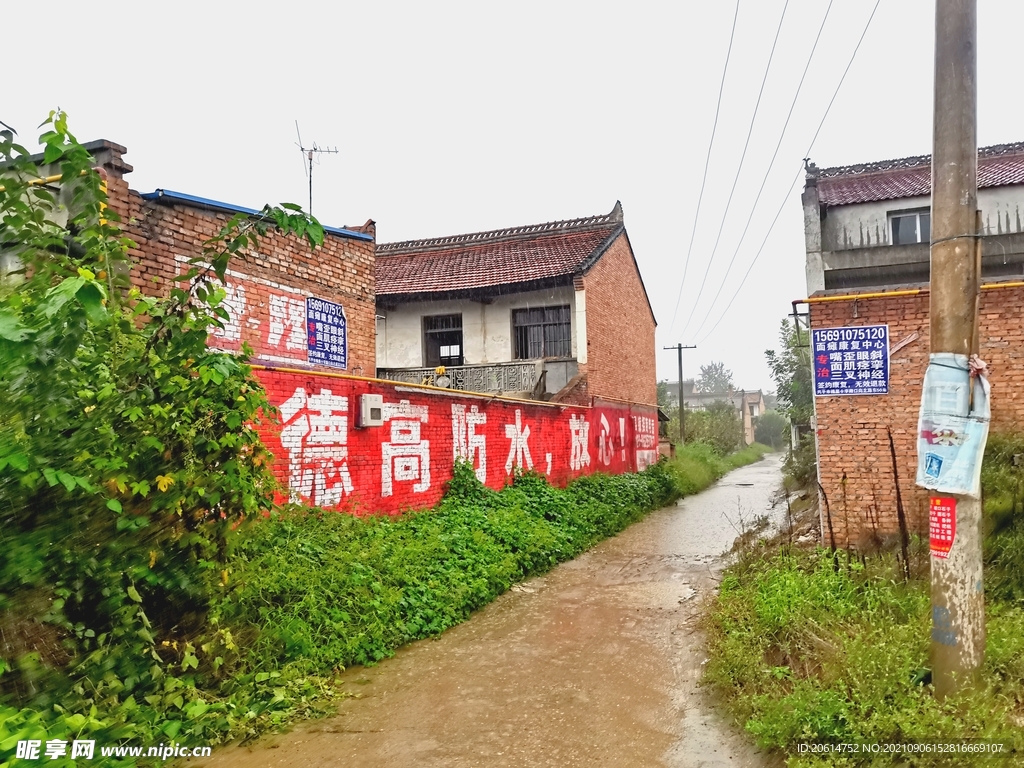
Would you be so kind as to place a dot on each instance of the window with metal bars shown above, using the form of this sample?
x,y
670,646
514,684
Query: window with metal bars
x,y
442,335
541,332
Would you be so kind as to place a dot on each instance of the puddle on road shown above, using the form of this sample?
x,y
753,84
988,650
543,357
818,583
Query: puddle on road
x,y
599,667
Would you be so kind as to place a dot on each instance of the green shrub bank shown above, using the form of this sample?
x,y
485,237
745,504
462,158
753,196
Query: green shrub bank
x,y
330,591
311,592
804,651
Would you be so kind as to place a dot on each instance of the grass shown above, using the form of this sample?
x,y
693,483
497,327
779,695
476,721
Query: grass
x,y
803,651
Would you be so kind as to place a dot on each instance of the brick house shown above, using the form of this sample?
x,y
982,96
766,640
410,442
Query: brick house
x,y
554,311
867,231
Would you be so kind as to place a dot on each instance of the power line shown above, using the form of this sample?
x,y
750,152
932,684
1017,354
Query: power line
x,y
771,165
707,161
739,168
797,177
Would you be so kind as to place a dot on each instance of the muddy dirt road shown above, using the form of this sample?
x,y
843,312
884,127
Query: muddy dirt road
x,y
594,664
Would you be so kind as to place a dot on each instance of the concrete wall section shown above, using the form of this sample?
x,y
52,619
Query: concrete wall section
x,y
866,225
486,326
322,457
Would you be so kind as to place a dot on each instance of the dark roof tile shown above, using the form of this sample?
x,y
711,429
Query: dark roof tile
x,y
998,165
499,257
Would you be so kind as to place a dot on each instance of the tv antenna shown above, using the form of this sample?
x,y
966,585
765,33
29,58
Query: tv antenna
x,y
311,154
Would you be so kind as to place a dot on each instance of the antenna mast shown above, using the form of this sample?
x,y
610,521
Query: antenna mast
x,y
308,156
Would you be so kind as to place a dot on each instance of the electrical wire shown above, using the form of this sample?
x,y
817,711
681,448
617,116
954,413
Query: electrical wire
x,y
739,169
707,162
795,178
767,173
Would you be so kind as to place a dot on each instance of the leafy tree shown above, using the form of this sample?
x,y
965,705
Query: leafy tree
x,y
715,377
791,370
772,428
665,398
128,450
719,426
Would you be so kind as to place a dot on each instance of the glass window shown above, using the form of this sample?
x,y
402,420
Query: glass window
x,y
911,227
541,332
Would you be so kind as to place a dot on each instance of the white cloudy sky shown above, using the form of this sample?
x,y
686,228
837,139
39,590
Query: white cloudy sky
x,y
459,117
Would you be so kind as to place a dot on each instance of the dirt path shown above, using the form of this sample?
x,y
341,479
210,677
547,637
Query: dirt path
x,y
594,664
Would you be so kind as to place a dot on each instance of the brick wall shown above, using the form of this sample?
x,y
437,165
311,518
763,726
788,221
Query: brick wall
x,y
620,329
322,458
853,432
267,290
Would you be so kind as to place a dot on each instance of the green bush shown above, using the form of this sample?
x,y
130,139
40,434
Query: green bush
x,y
331,590
801,467
719,425
772,428
805,651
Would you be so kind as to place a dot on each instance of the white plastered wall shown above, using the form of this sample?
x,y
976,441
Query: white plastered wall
x,y
866,225
486,327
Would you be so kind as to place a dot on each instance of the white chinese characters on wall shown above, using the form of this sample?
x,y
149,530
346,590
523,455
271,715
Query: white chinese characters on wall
x,y
287,323
467,443
645,438
315,435
406,456
519,447
579,438
319,445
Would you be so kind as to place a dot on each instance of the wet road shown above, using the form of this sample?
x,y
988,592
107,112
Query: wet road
x,y
594,664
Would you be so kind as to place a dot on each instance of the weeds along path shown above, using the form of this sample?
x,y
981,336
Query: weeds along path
x,y
594,664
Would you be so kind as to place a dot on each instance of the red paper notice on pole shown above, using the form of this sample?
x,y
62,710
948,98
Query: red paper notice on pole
x,y
942,524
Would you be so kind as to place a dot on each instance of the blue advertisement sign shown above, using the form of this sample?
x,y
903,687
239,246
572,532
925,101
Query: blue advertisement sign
x,y
851,361
326,333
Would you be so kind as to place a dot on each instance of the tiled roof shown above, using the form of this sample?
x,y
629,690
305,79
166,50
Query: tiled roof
x,y
998,165
499,257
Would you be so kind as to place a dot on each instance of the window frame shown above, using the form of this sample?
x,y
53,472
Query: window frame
x,y
916,213
517,327
432,337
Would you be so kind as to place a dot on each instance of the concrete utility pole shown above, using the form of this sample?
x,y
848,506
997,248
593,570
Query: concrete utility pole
x,y
682,410
958,600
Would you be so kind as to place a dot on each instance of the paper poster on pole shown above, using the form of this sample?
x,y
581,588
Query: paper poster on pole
x,y
952,426
941,525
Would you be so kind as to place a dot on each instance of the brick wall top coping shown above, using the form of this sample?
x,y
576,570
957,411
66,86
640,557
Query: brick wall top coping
x,y
823,297
401,386
167,196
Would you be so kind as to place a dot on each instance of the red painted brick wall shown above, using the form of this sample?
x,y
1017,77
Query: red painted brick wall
x,y
323,459
620,329
853,437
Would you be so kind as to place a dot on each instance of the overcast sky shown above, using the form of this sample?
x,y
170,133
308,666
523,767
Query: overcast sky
x,y
461,117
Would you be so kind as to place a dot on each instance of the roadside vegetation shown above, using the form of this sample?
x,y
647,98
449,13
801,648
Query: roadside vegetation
x,y
150,592
810,646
